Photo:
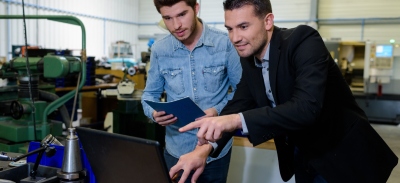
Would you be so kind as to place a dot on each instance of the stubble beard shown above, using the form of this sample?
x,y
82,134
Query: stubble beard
x,y
253,52
262,46
190,31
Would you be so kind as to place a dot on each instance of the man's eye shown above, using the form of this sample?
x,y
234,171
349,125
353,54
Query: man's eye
x,y
243,27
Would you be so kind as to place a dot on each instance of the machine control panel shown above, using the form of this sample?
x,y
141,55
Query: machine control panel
x,y
381,56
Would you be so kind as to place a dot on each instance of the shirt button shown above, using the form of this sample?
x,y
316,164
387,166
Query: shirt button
x,y
193,73
194,89
269,91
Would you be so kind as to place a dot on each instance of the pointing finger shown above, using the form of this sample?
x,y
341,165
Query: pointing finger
x,y
190,126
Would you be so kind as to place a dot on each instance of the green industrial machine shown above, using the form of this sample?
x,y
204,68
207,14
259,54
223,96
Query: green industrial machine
x,y
17,103
23,116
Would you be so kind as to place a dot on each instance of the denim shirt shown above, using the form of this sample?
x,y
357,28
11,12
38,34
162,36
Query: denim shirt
x,y
203,74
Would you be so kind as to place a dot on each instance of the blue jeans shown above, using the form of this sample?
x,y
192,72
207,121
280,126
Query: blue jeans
x,y
304,173
215,172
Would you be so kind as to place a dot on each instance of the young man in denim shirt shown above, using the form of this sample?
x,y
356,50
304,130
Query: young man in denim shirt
x,y
196,61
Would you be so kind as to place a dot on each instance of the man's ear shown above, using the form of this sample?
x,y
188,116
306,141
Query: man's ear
x,y
269,21
197,9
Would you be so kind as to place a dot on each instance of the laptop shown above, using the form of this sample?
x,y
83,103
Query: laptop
x,y
121,158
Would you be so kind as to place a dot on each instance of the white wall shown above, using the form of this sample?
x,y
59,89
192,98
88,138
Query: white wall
x,y
288,13
373,13
105,22
149,18
337,18
136,21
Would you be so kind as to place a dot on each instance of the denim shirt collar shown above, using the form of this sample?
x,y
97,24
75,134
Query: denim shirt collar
x,y
265,59
204,38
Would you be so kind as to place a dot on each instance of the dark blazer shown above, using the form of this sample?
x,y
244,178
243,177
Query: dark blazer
x,y
316,112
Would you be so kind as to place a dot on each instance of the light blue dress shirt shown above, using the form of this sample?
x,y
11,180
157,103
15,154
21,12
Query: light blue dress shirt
x,y
265,72
204,74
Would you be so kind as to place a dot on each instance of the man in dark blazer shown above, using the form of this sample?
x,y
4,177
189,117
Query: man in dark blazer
x,y
291,90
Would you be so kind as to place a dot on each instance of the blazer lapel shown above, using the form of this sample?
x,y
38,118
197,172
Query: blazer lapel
x,y
257,80
274,54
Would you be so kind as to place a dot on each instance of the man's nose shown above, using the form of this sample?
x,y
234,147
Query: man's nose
x,y
177,23
235,36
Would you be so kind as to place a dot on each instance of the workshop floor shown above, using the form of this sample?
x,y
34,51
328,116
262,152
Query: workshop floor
x,y
391,135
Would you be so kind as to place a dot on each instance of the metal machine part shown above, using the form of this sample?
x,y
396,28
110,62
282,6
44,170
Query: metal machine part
x,y
24,86
45,148
125,88
18,104
51,66
131,71
125,91
5,158
16,109
50,139
71,170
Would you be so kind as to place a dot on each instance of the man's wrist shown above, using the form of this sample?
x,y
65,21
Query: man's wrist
x,y
206,149
238,121
214,146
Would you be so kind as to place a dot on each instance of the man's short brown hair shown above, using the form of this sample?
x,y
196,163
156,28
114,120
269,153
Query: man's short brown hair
x,y
161,3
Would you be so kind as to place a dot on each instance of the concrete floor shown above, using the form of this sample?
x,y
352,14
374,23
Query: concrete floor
x,y
391,135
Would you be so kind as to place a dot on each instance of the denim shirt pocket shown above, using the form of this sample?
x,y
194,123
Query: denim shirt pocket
x,y
174,80
213,77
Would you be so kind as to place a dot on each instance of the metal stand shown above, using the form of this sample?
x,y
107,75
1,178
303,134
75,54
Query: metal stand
x,y
72,171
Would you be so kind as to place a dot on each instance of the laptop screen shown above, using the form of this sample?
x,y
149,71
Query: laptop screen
x,y
121,158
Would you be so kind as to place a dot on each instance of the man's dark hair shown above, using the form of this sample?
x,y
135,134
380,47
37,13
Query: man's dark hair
x,y
261,7
161,3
